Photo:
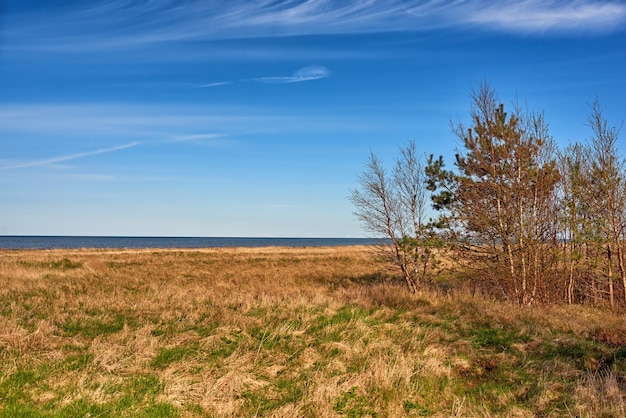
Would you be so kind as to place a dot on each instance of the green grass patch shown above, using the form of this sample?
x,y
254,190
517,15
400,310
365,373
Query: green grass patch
x,y
16,385
583,354
61,264
352,404
159,410
167,356
343,316
415,408
77,362
499,339
92,327
136,397
205,326
20,410
142,386
226,347
83,408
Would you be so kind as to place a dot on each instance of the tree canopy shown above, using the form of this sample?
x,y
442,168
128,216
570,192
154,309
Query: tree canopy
x,y
533,223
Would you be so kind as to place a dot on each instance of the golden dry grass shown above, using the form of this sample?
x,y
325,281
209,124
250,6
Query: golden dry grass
x,y
285,332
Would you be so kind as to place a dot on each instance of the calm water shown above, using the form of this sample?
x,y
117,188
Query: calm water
x,y
43,242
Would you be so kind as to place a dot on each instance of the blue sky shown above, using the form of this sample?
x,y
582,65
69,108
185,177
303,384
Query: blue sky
x,y
254,118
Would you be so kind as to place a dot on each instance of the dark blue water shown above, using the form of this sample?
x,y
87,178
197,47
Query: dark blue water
x,y
51,242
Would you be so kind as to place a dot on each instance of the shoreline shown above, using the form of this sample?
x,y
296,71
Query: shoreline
x,y
207,250
77,242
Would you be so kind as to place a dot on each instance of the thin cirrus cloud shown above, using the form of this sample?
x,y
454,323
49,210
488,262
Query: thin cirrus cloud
x,y
123,24
153,122
68,157
539,16
310,73
210,139
216,84
303,74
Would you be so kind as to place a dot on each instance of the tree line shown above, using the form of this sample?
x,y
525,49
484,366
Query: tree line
x,y
530,222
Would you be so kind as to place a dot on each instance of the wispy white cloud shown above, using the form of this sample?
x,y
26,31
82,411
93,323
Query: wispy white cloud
x,y
313,72
542,15
88,177
99,124
69,157
196,137
303,74
216,84
122,23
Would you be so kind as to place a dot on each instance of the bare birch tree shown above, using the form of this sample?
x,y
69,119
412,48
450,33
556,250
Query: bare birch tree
x,y
393,206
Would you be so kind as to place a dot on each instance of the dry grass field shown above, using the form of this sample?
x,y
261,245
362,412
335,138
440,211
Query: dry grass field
x,y
280,332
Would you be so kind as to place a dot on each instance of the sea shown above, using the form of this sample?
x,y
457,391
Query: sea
x,y
73,242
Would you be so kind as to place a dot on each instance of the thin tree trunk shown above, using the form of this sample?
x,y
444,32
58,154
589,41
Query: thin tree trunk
x,y
507,245
610,274
522,251
570,285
